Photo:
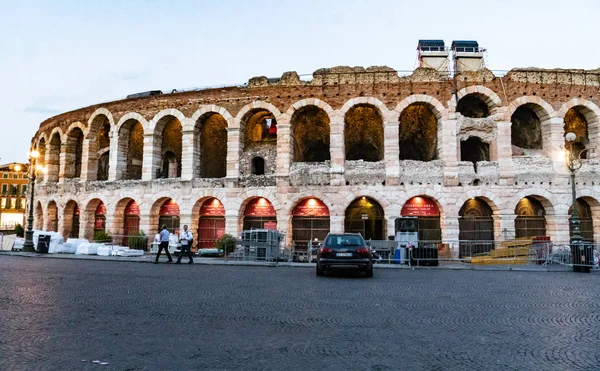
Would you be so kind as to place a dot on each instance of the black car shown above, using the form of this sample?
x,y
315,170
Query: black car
x,y
348,249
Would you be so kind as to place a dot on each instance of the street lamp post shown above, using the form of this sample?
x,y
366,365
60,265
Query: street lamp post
x,y
574,163
28,245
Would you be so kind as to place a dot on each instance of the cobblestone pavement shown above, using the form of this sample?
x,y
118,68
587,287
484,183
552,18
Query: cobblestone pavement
x,y
54,314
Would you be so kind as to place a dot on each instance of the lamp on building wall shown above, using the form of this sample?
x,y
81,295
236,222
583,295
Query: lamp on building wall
x,y
35,170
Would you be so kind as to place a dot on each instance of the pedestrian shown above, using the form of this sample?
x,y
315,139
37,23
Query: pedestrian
x,y
186,239
164,244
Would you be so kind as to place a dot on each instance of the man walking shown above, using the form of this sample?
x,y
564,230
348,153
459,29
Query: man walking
x,y
186,244
164,244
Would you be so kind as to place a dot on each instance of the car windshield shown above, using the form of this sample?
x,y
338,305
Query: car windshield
x,y
344,241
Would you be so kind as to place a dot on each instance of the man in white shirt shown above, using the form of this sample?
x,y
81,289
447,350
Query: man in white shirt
x,y
186,239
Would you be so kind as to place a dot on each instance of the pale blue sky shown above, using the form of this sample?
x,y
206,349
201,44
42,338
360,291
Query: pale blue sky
x,y
59,55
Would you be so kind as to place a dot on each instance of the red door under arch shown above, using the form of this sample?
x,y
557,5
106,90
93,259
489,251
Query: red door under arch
x,y
211,224
260,214
428,215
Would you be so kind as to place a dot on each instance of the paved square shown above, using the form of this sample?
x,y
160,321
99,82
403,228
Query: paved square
x,y
56,313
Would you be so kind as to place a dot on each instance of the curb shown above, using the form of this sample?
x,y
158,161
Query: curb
x,y
149,259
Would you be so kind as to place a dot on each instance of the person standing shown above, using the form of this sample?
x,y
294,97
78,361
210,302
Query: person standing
x,y
186,244
164,244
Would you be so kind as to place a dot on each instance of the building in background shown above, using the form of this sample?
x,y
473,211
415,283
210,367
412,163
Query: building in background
x,y
13,195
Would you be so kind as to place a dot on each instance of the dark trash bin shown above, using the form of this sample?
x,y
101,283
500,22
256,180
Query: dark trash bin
x,y
583,257
43,244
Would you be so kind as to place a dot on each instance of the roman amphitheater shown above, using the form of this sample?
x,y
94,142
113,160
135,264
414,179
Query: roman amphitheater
x,y
473,154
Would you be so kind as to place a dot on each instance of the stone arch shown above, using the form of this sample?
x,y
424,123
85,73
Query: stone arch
x,y
371,222
100,112
207,228
260,221
298,197
119,214
593,200
486,94
91,205
547,199
531,212
158,201
493,201
39,216
167,129
73,150
310,102
253,106
70,220
437,197
531,124
211,142
204,109
130,133
435,105
310,132
52,216
258,132
54,149
579,109
364,129
243,199
40,146
419,127
310,220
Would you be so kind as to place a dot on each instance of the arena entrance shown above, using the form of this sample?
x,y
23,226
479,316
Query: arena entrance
x,y
531,218
586,224
100,218
131,221
365,216
211,224
169,216
310,222
428,216
71,220
476,228
260,214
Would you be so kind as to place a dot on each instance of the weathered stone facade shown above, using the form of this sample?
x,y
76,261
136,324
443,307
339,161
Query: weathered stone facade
x,y
534,168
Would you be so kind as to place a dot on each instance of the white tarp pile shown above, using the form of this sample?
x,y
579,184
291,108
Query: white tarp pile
x,y
19,242
8,241
118,251
87,248
56,240
70,247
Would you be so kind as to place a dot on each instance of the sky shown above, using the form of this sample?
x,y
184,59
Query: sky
x,y
58,55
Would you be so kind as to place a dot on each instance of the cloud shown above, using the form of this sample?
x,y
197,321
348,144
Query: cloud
x,y
41,110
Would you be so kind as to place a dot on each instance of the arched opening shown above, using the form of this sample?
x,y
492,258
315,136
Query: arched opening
x,y
260,214
473,105
310,223
169,216
363,134
476,228
131,219
71,220
310,132
474,150
100,218
53,161
52,219
39,217
575,122
531,218
526,129
213,146
365,216
74,152
103,166
171,147
586,223
258,166
418,133
103,149
130,150
170,165
428,216
41,148
259,129
211,223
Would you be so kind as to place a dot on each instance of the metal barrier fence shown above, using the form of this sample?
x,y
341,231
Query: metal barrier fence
x,y
258,251
514,252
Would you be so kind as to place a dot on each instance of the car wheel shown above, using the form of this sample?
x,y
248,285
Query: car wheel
x,y
320,271
369,272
